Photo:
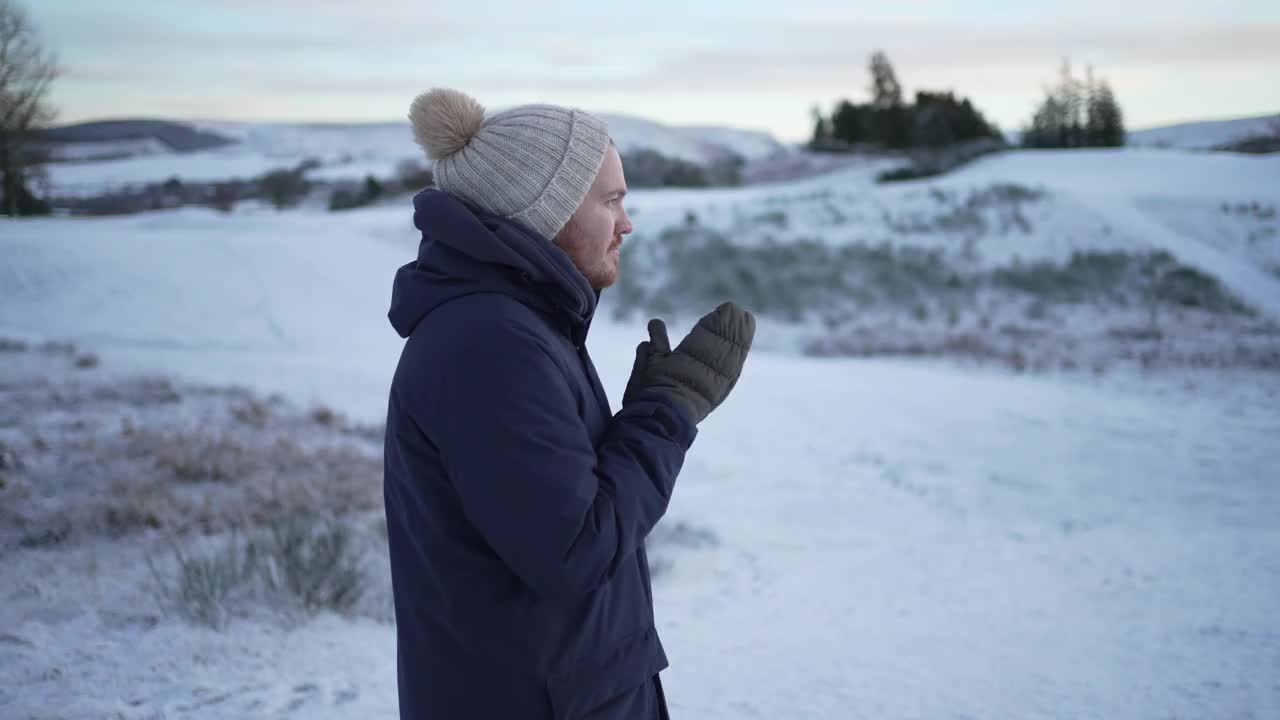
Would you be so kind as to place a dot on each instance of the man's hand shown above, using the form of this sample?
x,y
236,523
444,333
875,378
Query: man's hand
x,y
703,368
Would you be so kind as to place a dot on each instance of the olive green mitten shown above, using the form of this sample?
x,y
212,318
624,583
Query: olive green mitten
x,y
699,373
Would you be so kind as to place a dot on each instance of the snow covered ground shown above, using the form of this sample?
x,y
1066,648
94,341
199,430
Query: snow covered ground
x,y
850,537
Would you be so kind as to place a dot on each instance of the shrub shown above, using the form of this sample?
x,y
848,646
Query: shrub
x,y
1191,288
413,175
691,265
284,188
1087,275
300,562
649,168
345,199
207,585
315,563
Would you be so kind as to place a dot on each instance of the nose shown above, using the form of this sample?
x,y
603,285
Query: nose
x,y
624,227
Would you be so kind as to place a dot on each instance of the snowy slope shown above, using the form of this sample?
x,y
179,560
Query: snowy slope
x,y
1124,187
888,538
1131,172
321,140
700,145
750,144
1064,201
1204,135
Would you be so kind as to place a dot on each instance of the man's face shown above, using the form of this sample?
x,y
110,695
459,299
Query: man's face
x,y
593,236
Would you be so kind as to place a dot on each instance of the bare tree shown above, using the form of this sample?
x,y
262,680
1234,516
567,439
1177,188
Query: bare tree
x,y
26,72
885,90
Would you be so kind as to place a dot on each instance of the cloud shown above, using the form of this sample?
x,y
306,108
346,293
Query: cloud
x,y
261,56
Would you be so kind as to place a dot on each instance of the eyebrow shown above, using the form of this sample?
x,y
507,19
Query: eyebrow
x,y
620,192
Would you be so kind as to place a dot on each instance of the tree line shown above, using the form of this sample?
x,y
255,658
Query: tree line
x,y
935,119
1074,113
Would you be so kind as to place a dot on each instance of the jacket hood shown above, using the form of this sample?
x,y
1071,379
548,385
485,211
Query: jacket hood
x,y
465,250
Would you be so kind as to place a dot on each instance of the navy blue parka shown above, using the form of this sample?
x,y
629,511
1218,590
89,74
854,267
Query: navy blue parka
x,y
517,502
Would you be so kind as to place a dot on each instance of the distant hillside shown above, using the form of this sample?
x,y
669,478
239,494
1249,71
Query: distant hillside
x,y
1204,135
700,145
98,156
131,135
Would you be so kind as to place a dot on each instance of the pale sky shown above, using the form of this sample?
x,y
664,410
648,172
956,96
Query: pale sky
x,y
720,62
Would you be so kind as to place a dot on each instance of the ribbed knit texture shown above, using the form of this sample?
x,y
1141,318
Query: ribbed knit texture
x,y
532,164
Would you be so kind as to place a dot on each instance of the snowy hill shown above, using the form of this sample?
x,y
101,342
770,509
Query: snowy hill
x,y
701,145
173,136
1215,212
345,151
849,537
1204,135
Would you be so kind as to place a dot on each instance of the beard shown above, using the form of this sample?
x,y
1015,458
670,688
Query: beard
x,y
597,263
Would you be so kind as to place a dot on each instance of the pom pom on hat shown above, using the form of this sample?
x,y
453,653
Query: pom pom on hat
x,y
444,121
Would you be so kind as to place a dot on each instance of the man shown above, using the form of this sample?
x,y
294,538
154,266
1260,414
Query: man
x,y
517,501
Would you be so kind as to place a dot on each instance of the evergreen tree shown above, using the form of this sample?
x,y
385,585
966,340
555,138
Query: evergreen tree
x,y
1076,114
936,119
1111,126
850,123
1072,131
1093,110
930,127
894,125
1047,123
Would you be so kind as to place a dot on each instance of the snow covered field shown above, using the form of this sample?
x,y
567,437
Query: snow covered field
x,y
879,538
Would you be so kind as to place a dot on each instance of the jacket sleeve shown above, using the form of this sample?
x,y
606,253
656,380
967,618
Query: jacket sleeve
x,y
563,514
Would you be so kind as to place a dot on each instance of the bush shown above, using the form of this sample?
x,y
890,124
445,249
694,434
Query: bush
x,y
314,562
24,202
1122,278
1189,287
692,266
413,175
301,562
649,168
1253,145
369,193
940,160
284,188
207,586
1088,275
8,345
908,172
198,457
224,196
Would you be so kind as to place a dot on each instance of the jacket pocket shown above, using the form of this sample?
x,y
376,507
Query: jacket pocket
x,y
588,684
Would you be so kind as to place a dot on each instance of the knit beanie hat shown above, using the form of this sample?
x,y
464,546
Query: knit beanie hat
x,y
532,163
